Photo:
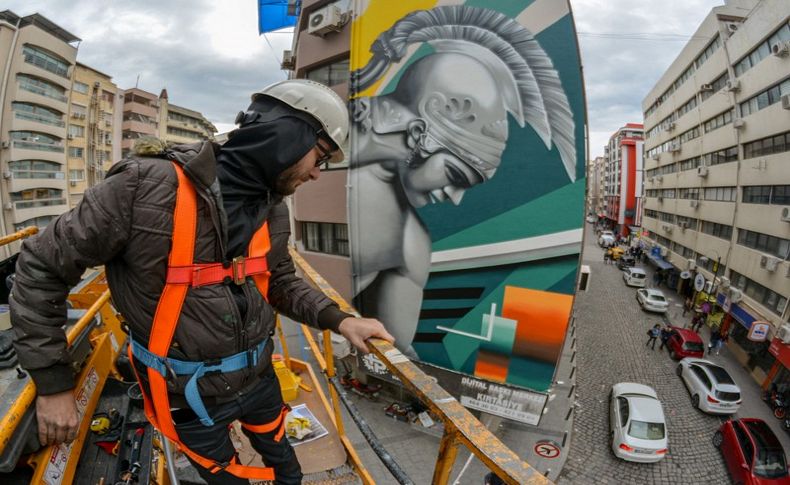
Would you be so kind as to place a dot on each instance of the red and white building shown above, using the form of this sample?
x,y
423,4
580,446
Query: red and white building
x,y
622,179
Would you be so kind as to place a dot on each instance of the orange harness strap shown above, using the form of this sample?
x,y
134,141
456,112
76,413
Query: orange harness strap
x,y
168,310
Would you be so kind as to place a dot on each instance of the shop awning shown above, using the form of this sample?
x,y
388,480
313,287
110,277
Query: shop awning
x,y
635,229
660,262
738,312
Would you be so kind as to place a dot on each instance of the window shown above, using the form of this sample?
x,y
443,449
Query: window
x,y
715,229
767,146
39,114
710,264
45,60
325,237
41,87
765,243
35,169
330,74
76,131
721,194
623,406
701,376
767,194
37,198
766,98
76,175
80,87
721,156
690,164
718,121
763,50
34,140
759,293
40,222
75,152
716,86
745,444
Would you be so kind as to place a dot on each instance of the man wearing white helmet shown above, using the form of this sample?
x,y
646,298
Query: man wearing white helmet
x,y
194,242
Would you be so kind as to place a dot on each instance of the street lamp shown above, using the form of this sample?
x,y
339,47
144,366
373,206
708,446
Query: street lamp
x,y
705,260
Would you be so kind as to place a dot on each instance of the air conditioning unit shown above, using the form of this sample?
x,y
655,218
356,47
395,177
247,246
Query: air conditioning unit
x,y
75,115
70,136
667,227
8,206
109,141
736,295
325,20
780,49
769,262
7,175
733,85
96,84
694,204
655,156
659,178
671,126
785,214
664,251
651,179
289,62
692,265
786,101
732,27
724,282
702,171
675,147
661,198
683,225
73,183
5,144
706,87
738,123
784,333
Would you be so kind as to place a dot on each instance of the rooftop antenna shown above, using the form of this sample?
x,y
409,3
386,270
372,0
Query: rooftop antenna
x,y
137,81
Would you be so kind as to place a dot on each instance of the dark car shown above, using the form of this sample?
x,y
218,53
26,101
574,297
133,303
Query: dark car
x,y
626,261
684,343
752,452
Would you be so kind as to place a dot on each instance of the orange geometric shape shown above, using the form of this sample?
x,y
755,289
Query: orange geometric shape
x,y
491,365
542,321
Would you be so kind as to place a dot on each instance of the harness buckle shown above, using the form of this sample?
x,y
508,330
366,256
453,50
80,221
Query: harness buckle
x,y
239,270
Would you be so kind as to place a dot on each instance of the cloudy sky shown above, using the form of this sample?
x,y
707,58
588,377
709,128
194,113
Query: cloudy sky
x,y
209,56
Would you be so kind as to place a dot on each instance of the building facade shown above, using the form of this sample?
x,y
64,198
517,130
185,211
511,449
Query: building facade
x,y
182,125
140,117
319,209
622,179
39,59
595,186
91,130
717,198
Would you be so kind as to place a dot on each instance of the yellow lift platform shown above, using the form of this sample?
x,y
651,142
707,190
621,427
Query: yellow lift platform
x,y
97,339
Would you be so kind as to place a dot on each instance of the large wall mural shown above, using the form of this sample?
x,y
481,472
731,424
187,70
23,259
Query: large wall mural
x,y
466,180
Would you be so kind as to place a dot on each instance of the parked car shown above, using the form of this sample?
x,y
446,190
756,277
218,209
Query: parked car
x,y
753,454
634,277
606,239
636,423
652,300
684,343
590,219
626,261
711,387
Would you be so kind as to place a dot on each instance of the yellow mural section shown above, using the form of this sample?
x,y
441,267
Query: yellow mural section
x,y
376,17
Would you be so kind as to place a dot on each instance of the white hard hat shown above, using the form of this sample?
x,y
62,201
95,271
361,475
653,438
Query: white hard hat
x,y
320,102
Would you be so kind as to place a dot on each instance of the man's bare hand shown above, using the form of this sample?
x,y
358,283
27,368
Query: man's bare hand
x,y
58,418
357,330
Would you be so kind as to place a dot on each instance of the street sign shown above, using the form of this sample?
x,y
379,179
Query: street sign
x,y
758,331
699,282
547,449
684,275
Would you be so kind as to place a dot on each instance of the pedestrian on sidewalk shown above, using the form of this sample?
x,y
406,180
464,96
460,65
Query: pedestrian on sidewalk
x,y
653,333
687,305
723,338
697,322
666,332
606,256
715,337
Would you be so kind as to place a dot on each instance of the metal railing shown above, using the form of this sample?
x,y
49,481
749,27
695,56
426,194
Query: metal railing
x,y
460,426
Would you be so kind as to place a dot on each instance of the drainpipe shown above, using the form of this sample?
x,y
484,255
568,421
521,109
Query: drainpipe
x,y
736,115
3,88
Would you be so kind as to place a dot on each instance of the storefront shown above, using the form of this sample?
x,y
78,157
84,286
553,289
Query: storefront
x,y
779,374
754,355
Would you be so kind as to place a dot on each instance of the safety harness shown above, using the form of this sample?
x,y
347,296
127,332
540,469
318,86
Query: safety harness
x,y
181,274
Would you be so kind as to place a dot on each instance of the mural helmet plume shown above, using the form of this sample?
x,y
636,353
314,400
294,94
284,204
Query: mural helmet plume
x,y
317,100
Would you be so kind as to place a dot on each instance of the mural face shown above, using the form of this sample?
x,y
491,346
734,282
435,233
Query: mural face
x,y
465,199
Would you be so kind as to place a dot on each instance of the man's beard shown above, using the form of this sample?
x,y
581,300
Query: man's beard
x,y
288,181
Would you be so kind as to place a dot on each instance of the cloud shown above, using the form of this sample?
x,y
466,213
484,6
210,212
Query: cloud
x,y
210,57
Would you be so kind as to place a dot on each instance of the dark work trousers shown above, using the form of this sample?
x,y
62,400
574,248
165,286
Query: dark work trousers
x,y
260,406
653,340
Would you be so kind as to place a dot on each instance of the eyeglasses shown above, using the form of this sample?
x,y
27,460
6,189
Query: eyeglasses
x,y
325,155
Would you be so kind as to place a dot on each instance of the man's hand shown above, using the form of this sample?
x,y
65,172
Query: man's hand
x,y
58,418
357,330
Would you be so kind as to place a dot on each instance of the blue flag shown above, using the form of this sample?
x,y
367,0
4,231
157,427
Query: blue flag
x,y
273,14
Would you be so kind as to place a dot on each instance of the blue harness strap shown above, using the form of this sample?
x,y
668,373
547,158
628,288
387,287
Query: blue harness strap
x,y
173,367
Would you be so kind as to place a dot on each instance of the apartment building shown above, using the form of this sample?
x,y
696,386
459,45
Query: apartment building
x,y
91,128
595,197
622,179
319,209
182,125
39,58
717,198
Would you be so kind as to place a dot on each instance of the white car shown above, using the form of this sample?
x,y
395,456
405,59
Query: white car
x,y
606,239
590,219
711,387
652,300
636,423
634,276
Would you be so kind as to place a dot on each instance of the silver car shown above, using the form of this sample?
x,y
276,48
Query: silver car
x,y
652,300
711,387
636,423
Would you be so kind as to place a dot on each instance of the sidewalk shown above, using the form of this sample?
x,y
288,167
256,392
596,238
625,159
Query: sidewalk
x,y
753,406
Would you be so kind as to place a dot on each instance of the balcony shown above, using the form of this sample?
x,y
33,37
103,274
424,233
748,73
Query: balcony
x,y
29,93
140,127
142,109
24,210
19,180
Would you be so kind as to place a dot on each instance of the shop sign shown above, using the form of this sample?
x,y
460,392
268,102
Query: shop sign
x,y
699,282
759,331
502,400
